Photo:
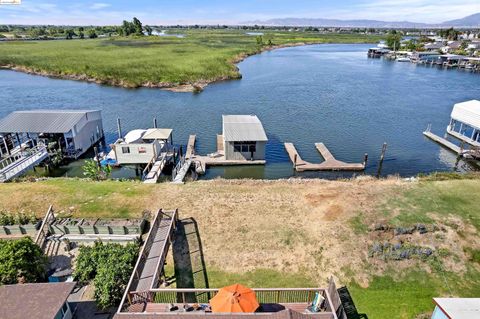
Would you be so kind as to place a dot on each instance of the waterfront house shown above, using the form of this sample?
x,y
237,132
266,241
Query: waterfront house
x,y
456,308
74,131
243,137
142,146
435,46
39,301
465,122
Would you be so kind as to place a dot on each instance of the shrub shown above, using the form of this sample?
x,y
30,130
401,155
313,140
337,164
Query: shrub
x,y
21,258
109,267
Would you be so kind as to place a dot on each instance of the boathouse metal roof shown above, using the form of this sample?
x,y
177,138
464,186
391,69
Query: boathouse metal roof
x,y
459,308
43,121
243,128
40,300
157,134
467,112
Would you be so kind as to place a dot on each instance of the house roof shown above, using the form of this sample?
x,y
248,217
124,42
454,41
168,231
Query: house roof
x,y
467,112
157,134
242,128
459,308
40,301
42,121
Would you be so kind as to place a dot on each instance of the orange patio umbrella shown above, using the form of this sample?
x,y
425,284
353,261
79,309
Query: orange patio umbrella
x,y
234,298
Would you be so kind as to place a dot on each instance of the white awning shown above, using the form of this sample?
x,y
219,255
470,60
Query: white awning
x,y
467,113
157,134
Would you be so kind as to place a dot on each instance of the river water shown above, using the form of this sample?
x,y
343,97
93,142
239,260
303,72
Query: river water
x,y
320,93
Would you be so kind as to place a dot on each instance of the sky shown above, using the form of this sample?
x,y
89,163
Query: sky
x,y
111,12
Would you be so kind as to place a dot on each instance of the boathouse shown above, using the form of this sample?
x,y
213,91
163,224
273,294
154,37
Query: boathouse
x,y
75,130
142,146
243,137
465,122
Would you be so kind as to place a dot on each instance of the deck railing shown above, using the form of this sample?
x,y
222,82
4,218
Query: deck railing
x,y
264,295
44,228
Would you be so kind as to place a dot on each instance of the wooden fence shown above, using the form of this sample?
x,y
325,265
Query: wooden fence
x,y
43,232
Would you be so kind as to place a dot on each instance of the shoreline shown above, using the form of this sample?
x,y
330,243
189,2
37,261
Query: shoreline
x,y
194,87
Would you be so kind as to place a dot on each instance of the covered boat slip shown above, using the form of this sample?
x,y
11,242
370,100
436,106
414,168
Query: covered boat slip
x,y
74,131
465,122
465,127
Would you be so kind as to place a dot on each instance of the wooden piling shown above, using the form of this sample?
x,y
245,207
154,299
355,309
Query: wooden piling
x,y
155,122
119,128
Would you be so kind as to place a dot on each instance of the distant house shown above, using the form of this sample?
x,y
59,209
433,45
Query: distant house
x,y
456,308
435,46
244,137
75,130
39,301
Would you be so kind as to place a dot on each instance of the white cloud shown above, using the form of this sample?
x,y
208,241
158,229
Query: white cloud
x,y
98,6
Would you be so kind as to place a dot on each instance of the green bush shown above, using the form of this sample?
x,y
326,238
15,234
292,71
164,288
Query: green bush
x,y
21,259
21,218
109,266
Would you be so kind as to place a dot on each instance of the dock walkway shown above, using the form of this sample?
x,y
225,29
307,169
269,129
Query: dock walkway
x,y
440,140
330,163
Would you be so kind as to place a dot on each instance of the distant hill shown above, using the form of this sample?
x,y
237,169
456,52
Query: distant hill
x,y
470,21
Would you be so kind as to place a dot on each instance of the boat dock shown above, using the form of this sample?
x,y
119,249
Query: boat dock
x,y
330,163
214,159
445,143
153,170
17,164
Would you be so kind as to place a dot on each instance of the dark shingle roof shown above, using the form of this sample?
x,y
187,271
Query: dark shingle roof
x,y
41,121
39,301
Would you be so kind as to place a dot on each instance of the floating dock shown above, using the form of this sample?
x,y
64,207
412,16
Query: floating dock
x,y
330,163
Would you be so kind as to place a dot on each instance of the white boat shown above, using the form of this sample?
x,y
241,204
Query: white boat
x,y
403,59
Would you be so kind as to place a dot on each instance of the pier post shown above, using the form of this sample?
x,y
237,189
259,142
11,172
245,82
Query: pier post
x,y
295,161
97,159
365,160
119,128
155,122
382,157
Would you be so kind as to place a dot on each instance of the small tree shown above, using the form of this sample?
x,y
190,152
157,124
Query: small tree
x,y
138,29
69,34
148,29
21,259
393,40
96,172
92,34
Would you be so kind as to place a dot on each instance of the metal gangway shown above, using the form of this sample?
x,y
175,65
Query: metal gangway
x,y
20,162
181,170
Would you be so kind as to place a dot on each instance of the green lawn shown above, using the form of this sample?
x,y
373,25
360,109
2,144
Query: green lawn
x,y
201,56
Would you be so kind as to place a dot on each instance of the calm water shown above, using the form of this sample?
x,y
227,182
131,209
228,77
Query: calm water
x,y
324,93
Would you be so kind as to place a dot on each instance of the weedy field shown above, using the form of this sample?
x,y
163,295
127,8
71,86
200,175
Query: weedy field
x,y
394,244
201,57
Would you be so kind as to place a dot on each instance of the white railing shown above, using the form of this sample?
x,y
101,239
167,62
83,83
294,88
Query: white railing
x,y
20,162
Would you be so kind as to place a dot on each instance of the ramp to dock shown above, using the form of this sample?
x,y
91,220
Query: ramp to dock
x,y
149,267
180,171
330,163
19,163
190,146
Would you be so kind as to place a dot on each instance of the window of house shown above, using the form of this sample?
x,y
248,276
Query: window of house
x,y
244,147
142,150
126,150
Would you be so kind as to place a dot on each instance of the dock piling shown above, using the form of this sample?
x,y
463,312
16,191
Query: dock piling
x,y
119,128
154,122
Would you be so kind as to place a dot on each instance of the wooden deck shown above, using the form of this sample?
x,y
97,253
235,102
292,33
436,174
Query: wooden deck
x,y
330,163
463,138
220,143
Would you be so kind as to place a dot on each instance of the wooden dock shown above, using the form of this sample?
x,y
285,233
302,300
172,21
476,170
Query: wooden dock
x,y
330,163
445,143
190,146
215,159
